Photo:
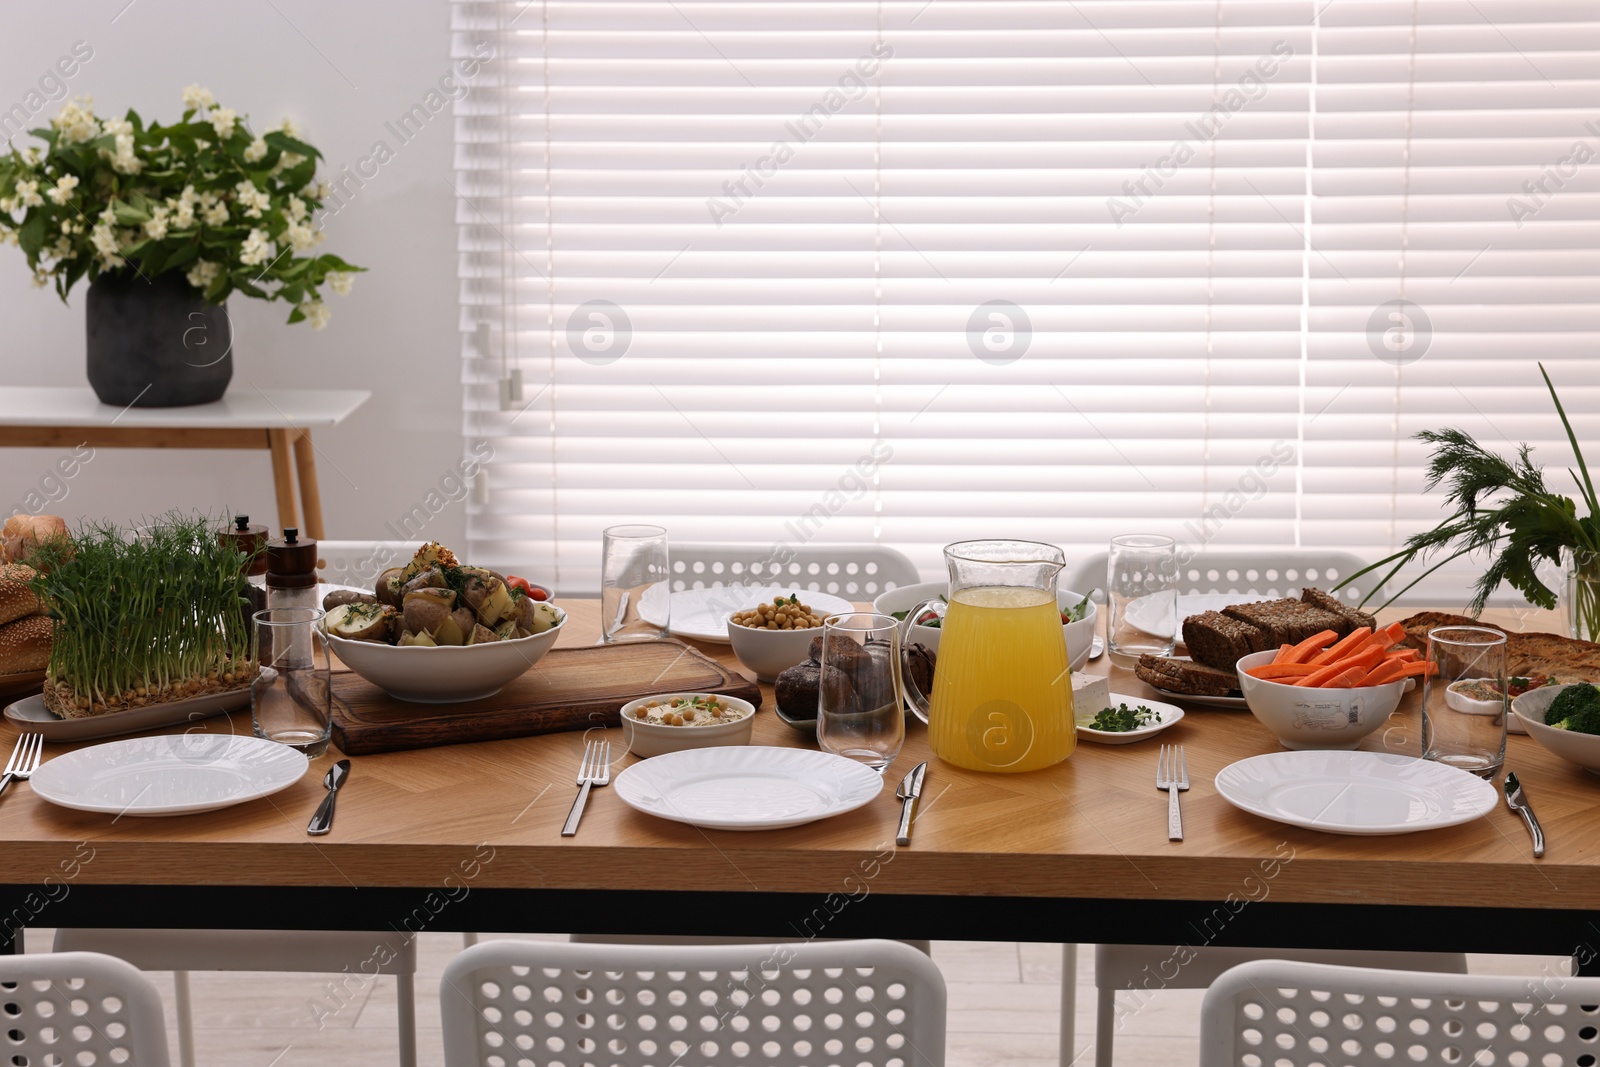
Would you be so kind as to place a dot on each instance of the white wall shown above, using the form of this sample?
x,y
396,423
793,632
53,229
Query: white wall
x,y
341,70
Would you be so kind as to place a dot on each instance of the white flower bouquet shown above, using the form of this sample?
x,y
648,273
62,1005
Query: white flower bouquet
x,y
204,196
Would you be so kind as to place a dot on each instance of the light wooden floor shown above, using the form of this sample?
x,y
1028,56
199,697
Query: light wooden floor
x,y
1004,999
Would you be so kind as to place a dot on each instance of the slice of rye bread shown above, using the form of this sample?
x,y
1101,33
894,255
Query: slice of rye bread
x,y
1288,621
1216,640
1184,676
1317,598
1527,654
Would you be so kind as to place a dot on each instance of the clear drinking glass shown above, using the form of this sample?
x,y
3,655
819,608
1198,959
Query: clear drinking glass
x,y
860,702
291,695
1142,595
1464,729
633,568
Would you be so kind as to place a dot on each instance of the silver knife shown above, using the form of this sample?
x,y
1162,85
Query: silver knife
x,y
322,821
908,792
1518,802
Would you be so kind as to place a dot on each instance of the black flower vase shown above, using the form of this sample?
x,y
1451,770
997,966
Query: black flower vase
x,y
155,342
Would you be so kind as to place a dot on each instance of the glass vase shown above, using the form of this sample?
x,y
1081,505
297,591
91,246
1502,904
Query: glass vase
x,y
1582,595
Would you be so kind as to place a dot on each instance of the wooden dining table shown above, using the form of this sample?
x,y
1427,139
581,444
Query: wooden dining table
x,y
467,837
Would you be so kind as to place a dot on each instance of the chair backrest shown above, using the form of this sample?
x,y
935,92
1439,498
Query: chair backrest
x,y
359,563
855,572
360,953
1128,967
1287,1014
837,1002
80,1007
1274,572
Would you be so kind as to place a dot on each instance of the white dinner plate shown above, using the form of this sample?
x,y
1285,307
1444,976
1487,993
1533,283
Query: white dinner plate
x,y
747,787
1148,613
702,614
170,774
1355,792
1166,715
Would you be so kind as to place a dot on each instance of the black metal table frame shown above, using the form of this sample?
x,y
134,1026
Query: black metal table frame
x,y
788,916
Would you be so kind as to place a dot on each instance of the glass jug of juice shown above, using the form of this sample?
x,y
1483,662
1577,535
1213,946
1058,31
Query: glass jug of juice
x,y
1002,691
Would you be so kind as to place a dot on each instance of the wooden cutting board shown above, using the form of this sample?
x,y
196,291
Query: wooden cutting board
x,y
569,689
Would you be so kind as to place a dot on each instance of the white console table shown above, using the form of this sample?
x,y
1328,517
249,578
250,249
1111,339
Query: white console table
x,y
277,420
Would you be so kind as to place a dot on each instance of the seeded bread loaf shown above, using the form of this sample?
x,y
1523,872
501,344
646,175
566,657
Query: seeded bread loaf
x,y
25,644
16,592
1529,654
1186,677
1288,621
1217,640
1357,618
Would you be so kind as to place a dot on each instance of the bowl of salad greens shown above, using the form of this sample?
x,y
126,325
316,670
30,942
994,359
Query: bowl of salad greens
x,y
1077,616
1564,719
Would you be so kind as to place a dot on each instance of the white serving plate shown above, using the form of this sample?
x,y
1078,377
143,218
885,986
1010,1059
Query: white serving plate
x,y
169,774
1365,793
31,714
1166,715
1148,614
702,614
747,788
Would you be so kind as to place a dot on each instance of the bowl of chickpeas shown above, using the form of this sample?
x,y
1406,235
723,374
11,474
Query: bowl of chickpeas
x,y
772,637
676,721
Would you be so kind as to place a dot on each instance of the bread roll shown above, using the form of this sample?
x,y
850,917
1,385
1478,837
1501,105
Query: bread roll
x,y
16,594
25,644
23,533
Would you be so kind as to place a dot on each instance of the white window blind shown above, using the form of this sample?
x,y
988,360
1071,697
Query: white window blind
x,y
913,272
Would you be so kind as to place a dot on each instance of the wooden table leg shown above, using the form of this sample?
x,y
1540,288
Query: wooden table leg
x,y
305,465
282,478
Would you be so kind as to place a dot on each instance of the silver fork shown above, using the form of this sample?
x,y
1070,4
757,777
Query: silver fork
x,y
24,759
1172,774
594,770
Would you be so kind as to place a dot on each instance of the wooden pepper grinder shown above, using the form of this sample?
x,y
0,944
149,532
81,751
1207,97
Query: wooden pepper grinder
x,y
292,571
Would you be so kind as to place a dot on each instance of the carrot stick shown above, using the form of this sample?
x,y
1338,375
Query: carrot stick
x,y
1404,655
1280,670
1365,661
1394,670
1348,679
1347,645
1387,637
1302,652
1283,651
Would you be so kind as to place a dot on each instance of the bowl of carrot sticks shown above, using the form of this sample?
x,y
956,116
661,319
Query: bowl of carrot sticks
x,y
1328,691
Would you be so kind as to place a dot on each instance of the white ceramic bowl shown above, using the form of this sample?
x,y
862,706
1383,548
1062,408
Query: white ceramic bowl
x,y
1080,634
1582,749
645,739
1303,718
448,674
770,652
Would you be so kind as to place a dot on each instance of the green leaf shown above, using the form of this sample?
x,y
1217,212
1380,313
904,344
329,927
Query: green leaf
x,y
297,315
243,283
328,261
280,140
185,252
31,235
1586,485
128,215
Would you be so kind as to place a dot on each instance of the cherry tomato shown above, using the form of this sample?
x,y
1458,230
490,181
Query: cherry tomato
x,y
519,583
539,594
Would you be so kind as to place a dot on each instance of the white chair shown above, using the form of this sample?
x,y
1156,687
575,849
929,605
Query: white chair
x,y
1287,1014
855,572
355,955
1139,971
875,1002
1274,572
79,1007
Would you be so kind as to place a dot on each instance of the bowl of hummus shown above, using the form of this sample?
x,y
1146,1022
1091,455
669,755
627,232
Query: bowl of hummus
x,y
672,722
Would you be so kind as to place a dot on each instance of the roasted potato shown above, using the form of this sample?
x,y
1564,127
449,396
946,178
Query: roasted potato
x,y
387,586
346,596
425,609
432,578
481,634
359,622
545,616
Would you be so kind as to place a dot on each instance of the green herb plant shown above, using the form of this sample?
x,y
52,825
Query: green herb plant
x,y
1504,505
1121,719
143,618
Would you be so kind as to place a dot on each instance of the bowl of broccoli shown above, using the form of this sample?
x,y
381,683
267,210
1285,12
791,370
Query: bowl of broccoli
x,y
1564,719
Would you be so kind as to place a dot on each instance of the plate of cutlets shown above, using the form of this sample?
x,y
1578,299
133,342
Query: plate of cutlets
x,y
1216,639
